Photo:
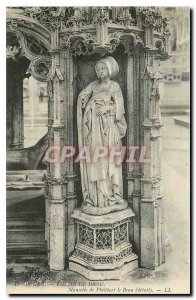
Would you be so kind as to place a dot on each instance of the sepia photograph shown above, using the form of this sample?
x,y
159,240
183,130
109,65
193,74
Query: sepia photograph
x,y
98,150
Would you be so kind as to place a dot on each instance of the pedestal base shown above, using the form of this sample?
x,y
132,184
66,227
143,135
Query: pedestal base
x,y
115,274
103,250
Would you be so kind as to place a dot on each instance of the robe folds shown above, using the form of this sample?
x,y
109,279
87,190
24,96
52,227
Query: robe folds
x,y
101,179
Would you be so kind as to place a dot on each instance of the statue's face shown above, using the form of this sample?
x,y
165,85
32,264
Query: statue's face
x,y
102,70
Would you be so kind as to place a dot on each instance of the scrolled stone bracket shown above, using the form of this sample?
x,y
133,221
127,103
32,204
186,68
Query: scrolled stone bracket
x,y
152,18
40,68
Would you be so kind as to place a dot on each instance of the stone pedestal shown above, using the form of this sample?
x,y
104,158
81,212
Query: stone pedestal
x,y
103,250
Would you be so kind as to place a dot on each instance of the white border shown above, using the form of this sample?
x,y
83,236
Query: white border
x,y
173,3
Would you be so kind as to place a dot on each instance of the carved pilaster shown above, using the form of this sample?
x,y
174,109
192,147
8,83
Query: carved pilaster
x,y
68,73
137,141
129,167
55,180
40,68
151,208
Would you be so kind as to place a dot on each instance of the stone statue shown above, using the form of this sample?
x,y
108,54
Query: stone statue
x,y
101,122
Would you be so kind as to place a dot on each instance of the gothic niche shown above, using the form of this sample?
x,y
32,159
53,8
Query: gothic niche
x,y
104,251
84,74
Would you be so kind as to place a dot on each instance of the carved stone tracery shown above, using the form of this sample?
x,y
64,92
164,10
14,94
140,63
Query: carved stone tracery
x,y
152,17
125,17
50,17
87,44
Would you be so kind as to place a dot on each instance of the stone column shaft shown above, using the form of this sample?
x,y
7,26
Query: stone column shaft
x,y
151,207
69,168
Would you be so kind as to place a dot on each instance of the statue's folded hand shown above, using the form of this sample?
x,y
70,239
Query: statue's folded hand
x,y
100,111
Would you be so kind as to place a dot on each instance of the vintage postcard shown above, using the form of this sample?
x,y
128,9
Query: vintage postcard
x,y
98,146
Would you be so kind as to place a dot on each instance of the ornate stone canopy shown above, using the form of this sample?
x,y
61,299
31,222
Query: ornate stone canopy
x,y
39,32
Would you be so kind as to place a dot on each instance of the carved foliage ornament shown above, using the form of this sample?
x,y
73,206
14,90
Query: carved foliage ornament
x,y
62,17
16,22
125,17
152,17
80,44
78,19
13,52
98,15
101,14
50,17
13,46
129,41
68,17
86,43
59,17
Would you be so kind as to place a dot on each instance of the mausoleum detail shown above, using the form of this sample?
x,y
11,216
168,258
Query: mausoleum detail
x,y
62,45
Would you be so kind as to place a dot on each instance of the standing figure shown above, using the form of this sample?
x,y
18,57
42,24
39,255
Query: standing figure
x,y
101,122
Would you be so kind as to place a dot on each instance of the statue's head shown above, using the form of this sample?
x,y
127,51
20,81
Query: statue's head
x,y
106,67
